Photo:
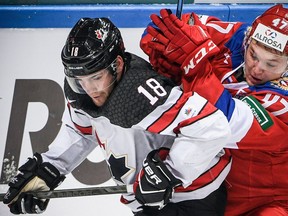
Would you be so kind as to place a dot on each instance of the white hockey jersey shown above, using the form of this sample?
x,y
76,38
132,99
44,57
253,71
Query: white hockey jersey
x,y
144,112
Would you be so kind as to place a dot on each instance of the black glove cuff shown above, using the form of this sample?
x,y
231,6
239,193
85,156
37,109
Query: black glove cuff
x,y
50,175
154,160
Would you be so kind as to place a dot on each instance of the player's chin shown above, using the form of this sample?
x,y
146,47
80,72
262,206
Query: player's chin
x,y
99,101
253,81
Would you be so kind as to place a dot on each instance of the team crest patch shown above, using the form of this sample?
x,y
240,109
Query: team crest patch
x,y
189,111
281,83
259,112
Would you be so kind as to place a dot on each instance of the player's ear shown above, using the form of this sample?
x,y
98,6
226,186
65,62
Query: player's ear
x,y
120,66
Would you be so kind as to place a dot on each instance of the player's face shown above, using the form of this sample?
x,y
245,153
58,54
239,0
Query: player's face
x,y
263,65
98,85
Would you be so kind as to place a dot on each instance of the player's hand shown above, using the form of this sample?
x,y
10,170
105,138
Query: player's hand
x,y
176,38
177,48
159,62
155,184
163,66
34,175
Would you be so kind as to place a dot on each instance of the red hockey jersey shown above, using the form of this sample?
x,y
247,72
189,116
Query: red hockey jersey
x,y
260,166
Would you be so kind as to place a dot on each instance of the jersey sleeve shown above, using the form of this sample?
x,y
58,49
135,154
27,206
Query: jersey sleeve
x,y
228,36
201,132
73,143
199,140
269,128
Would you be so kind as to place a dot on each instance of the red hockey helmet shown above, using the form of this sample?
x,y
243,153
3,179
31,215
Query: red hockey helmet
x,y
271,28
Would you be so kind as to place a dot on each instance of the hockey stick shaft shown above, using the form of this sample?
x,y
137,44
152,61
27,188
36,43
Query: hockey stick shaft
x,y
77,192
179,8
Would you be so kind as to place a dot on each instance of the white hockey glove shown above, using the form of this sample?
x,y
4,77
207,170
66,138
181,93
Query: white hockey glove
x,y
34,175
155,184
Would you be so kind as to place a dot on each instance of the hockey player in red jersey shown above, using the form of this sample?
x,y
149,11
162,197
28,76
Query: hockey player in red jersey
x,y
200,52
165,142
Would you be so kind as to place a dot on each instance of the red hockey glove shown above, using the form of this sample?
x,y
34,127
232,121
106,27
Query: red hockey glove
x,y
178,42
198,61
175,38
155,184
33,176
157,60
169,69
166,68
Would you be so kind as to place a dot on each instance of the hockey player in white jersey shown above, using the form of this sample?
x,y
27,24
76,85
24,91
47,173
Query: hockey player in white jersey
x,y
171,142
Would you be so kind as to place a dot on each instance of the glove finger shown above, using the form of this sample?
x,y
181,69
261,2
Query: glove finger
x,y
16,184
169,18
156,46
178,23
16,207
175,29
160,24
165,13
34,205
157,35
166,19
10,195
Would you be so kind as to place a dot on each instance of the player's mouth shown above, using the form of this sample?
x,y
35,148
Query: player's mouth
x,y
254,80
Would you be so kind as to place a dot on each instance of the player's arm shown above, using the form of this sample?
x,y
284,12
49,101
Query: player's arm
x,y
202,132
201,129
74,142
200,138
198,142
47,170
270,124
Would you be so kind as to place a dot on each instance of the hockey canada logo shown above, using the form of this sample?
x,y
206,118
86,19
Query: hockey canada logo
x,y
102,33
